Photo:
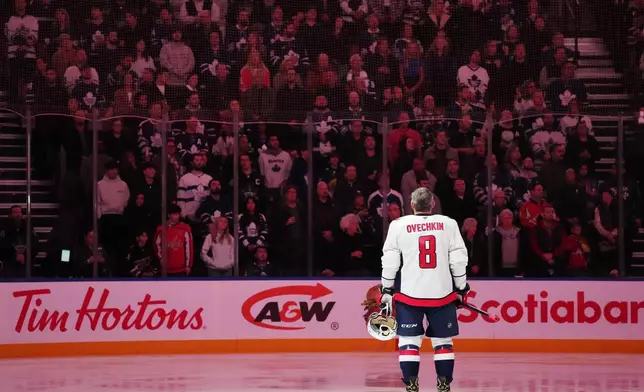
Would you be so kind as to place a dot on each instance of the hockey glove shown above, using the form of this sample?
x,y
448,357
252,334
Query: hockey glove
x,y
386,300
462,294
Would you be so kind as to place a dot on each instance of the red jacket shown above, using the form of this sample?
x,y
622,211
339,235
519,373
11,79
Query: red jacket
x,y
180,247
529,213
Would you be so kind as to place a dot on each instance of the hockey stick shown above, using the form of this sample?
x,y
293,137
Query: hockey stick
x,y
494,317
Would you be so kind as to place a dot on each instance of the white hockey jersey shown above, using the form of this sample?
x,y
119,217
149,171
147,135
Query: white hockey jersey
x,y
275,167
476,79
433,257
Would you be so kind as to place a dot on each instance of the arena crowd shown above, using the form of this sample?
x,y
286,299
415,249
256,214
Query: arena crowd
x,y
450,79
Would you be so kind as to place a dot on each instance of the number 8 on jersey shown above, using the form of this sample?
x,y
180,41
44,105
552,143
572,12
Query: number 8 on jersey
x,y
427,251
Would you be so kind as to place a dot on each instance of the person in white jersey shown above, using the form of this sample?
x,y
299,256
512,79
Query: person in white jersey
x,y
430,255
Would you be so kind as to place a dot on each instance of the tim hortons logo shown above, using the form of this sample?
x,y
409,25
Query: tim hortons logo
x,y
148,314
577,310
288,311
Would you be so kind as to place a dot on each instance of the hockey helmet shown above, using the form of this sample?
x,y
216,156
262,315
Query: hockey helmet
x,y
382,326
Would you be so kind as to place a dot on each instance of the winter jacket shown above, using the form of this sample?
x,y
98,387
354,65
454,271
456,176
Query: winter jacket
x,y
113,195
530,211
180,247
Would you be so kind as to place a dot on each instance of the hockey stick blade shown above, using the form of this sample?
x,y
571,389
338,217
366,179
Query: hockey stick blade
x,y
493,317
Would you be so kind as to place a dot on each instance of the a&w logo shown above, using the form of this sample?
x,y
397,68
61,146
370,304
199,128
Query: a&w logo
x,y
300,306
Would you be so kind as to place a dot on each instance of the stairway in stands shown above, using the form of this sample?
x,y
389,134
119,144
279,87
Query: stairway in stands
x,y
13,183
607,97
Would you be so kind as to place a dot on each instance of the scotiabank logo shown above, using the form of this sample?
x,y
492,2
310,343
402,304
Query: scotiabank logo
x,y
147,314
272,313
542,310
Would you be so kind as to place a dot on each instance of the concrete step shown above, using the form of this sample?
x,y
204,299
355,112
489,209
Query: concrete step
x,y
597,73
609,97
590,63
11,136
37,196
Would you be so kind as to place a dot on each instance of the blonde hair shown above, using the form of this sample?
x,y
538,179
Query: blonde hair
x,y
221,236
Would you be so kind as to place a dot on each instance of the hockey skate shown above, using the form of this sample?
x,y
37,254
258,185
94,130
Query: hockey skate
x,y
442,385
412,384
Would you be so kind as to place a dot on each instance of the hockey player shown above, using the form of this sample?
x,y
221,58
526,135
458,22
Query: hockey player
x,y
432,283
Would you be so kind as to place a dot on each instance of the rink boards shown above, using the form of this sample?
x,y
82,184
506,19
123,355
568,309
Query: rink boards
x,y
163,317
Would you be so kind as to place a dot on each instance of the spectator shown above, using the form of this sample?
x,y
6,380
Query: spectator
x,y
383,195
288,227
552,71
13,244
436,158
312,33
573,200
412,71
548,244
500,180
509,249
112,198
580,253
532,209
606,224
50,91
22,41
253,229
87,91
445,183
383,66
275,166
192,189
460,204
142,59
82,258
553,172
475,78
74,72
180,248
254,74
291,99
288,47
125,96
324,225
217,251
442,70
408,151
261,267
410,180
178,59
561,91
582,148
214,205
117,142
139,216
351,260
251,183
402,130
65,56
192,10
469,233
140,258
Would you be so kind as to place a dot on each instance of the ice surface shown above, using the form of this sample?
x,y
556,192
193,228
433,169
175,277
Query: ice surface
x,y
377,372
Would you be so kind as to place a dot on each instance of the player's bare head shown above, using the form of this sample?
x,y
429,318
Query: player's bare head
x,y
422,200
